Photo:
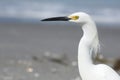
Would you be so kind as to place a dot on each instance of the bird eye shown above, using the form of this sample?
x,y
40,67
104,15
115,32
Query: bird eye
x,y
75,17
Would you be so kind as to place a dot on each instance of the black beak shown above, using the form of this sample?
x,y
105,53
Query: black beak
x,y
57,19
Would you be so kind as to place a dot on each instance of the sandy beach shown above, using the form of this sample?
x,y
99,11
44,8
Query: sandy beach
x,y
27,50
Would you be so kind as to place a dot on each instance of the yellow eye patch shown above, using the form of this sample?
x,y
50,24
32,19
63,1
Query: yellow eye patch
x,y
74,17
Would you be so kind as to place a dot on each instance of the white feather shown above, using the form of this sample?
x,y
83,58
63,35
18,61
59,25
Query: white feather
x,y
88,46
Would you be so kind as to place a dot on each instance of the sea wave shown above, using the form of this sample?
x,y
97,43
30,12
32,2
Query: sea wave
x,y
35,10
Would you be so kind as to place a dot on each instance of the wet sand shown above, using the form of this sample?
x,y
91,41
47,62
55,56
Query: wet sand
x,y
47,51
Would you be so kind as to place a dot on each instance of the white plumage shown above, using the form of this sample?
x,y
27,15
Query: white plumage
x,y
88,42
88,47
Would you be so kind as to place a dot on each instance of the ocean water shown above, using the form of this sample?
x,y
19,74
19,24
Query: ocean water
x,y
103,11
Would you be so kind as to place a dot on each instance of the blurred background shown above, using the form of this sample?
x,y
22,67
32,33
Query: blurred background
x,y
31,49
32,10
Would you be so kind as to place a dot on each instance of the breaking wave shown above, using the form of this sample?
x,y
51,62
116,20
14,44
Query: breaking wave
x,y
35,10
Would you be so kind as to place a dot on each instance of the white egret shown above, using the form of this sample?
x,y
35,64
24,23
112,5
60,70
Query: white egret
x,y
88,47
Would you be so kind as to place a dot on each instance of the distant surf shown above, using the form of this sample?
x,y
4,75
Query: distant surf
x,y
34,10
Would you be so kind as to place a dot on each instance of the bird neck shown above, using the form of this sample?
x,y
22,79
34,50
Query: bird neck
x,y
87,42
89,30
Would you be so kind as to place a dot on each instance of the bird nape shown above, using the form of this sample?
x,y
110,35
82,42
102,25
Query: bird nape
x,y
88,47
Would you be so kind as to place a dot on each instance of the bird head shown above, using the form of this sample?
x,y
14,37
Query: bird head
x,y
79,17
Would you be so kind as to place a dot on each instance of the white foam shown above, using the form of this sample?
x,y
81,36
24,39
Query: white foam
x,y
107,16
35,10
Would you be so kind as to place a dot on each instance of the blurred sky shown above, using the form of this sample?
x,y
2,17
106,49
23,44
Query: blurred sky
x,y
102,11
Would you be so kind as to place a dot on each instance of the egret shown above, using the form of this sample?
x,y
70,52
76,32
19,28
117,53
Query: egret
x,y
88,48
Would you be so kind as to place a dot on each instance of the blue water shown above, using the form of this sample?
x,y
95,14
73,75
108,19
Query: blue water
x,y
102,11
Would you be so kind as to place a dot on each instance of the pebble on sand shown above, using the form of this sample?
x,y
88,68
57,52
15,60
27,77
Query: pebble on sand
x,y
29,69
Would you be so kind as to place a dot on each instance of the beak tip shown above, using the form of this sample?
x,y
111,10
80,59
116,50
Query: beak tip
x,y
43,20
